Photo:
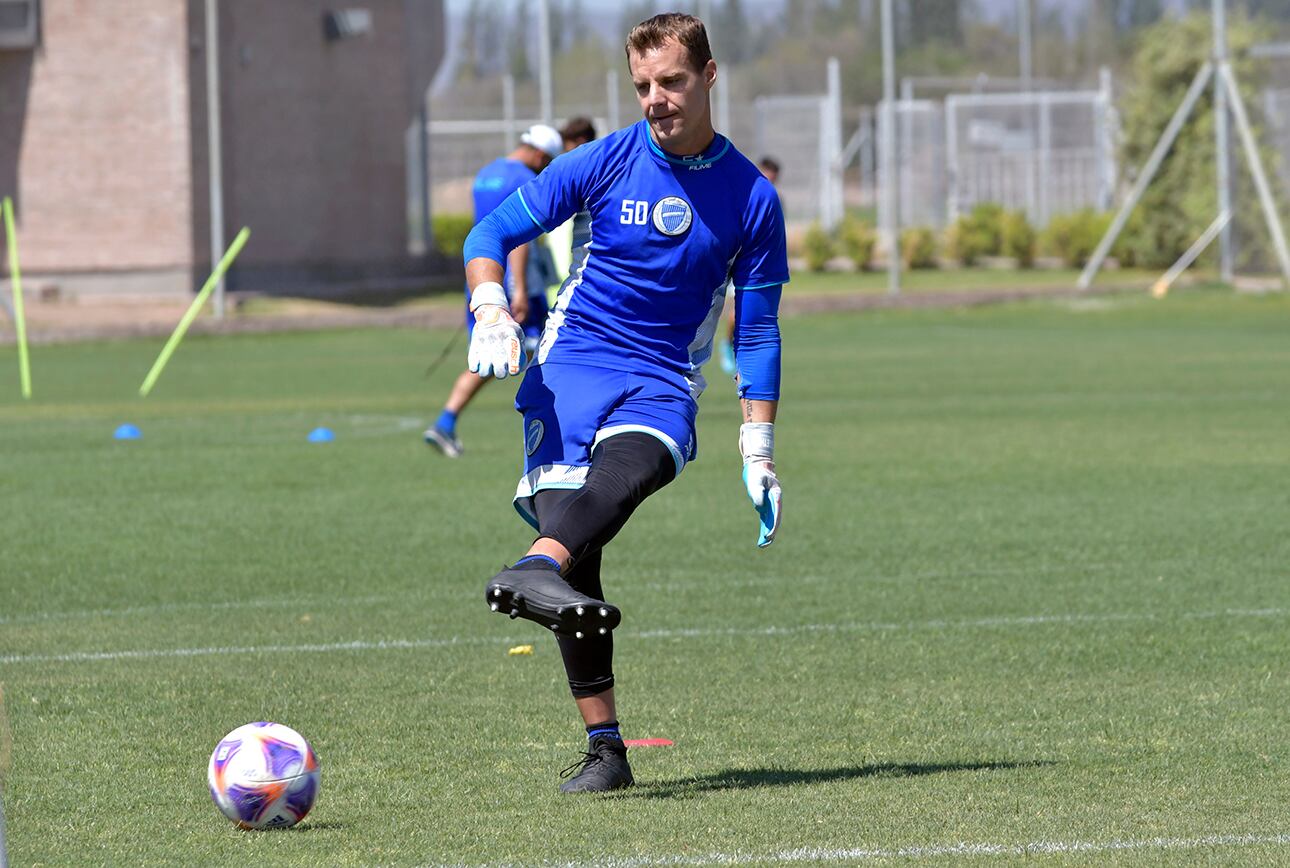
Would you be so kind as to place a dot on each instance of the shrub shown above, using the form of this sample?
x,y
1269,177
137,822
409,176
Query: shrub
x,y
976,234
857,240
449,232
918,247
818,247
1073,237
1018,238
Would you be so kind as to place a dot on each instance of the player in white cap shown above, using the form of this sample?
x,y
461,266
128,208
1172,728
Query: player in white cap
x,y
539,145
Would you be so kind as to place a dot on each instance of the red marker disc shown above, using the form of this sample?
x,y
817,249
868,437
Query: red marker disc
x,y
648,742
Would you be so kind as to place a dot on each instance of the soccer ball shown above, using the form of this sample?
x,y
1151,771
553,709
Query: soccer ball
x,y
263,776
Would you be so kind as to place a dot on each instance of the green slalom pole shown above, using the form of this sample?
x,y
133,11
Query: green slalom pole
x,y
19,319
193,309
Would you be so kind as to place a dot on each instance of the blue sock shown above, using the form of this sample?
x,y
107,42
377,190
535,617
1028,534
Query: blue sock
x,y
609,729
447,422
537,562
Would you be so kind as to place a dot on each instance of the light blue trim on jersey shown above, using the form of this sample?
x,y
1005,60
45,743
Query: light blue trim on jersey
x,y
605,433
763,285
700,349
704,162
500,232
529,211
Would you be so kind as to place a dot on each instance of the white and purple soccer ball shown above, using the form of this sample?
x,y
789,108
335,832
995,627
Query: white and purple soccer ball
x,y
263,776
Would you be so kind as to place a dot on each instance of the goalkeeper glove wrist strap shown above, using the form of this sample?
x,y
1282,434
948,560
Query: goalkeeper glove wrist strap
x,y
757,441
488,292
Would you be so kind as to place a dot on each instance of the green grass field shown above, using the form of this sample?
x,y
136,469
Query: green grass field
x,y
1031,597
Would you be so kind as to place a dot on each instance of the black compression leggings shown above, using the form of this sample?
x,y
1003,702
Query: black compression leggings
x,y
625,469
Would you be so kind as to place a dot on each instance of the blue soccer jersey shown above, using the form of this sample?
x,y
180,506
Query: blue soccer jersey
x,y
667,235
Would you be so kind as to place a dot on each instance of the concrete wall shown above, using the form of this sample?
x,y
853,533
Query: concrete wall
x,y
313,140
94,140
103,142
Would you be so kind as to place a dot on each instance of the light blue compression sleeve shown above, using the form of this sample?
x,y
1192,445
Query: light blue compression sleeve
x,y
757,341
506,227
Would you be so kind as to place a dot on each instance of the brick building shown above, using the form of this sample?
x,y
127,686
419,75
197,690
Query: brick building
x,y
103,140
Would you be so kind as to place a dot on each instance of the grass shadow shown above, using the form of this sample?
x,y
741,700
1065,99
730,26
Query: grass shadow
x,y
746,779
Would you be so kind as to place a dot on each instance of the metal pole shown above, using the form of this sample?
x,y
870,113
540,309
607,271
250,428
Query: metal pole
x,y
544,59
719,117
1106,141
423,172
1045,158
889,150
611,93
1161,286
1023,42
508,110
215,169
1256,169
834,144
905,168
1222,142
1148,172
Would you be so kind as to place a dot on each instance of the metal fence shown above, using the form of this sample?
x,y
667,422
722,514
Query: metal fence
x,y
1043,152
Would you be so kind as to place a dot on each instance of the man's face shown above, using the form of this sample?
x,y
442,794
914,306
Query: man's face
x,y
674,96
570,144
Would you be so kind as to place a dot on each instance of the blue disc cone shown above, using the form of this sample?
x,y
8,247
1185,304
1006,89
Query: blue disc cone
x,y
321,435
127,432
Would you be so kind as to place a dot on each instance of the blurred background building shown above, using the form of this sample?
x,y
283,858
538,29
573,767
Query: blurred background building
x,y
104,146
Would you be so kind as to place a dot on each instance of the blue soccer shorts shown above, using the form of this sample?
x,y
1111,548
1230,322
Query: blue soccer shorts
x,y
568,409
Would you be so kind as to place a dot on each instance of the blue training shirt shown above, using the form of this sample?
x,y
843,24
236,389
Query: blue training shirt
x,y
494,183
666,235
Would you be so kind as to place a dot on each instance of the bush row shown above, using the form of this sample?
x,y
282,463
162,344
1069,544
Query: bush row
x,y
987,231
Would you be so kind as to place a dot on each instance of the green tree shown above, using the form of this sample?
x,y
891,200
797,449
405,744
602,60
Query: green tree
x,y
1181,200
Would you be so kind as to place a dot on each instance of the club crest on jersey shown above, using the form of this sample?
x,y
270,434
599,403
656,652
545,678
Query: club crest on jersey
x,y
533,436
672,215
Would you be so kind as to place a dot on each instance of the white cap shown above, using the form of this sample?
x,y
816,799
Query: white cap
x,y
545,139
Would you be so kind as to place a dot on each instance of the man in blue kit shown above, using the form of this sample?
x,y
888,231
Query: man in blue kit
x,y
609,404
538,146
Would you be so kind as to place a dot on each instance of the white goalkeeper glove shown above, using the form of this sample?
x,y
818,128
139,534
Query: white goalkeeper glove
x,y
497,341
757,444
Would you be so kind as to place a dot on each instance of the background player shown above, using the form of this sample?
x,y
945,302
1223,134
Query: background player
x,y
579,131
539,145
609,407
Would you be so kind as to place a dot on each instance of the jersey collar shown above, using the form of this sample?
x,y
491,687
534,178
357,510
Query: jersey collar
x,y
715,151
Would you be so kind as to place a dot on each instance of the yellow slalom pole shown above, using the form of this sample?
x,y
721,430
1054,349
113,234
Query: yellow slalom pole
x,y
193,309
19,319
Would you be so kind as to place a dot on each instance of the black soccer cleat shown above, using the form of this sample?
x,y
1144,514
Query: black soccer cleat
x,y
542,596
603,767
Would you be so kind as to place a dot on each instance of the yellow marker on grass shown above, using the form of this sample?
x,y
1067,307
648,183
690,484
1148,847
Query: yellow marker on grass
x,y
193,309
19,319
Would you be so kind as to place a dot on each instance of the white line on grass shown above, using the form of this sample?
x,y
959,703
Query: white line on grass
x,y
162,608
865,854
341,602
681,633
